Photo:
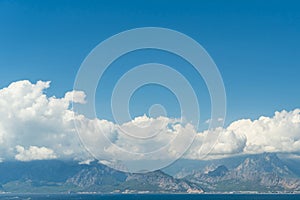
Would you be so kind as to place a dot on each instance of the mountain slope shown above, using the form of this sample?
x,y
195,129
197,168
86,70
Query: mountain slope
x,y
162,182
69,177
263,173
104,179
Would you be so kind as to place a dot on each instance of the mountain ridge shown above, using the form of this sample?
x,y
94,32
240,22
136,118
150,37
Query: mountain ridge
x,y
263,173
45,176
257,173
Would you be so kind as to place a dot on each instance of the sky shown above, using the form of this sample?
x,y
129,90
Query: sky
x,y
255,45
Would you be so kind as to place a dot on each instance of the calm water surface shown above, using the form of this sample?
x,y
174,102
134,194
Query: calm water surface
x,y
157,197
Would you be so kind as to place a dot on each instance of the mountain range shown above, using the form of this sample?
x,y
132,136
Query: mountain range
x,y
256,173
260,173
55,176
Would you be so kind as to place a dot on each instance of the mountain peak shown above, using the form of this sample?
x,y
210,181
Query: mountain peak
x,y
219,171
263,172
267,164
269,156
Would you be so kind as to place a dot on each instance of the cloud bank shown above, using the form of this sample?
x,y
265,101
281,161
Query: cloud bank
x,y
280,133
34,126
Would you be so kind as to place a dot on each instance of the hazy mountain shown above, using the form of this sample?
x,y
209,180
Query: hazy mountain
x,y
162,182
263,173
292,162
67,177
219,171
184,167
47,170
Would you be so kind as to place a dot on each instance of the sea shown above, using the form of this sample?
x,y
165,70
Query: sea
x,y
155,197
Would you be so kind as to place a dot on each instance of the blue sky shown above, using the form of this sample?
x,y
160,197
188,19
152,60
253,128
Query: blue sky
x,y
255,44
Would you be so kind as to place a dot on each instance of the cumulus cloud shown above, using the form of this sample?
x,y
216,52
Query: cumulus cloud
x,y
75,96
35,126
29,118
143,138
280,133
215,143
34,153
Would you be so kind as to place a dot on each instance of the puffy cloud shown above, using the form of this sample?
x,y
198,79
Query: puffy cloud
x,y
34,126
280,133
216,143
142,138
75,96
29,118
34,153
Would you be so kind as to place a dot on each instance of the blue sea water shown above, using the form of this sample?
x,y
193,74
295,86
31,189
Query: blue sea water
x,y
156,197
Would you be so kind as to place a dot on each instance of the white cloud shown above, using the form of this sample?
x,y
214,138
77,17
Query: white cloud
x,y
86,162
40,124
29,118
139,139
34,153
280,133
75,96
215,143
